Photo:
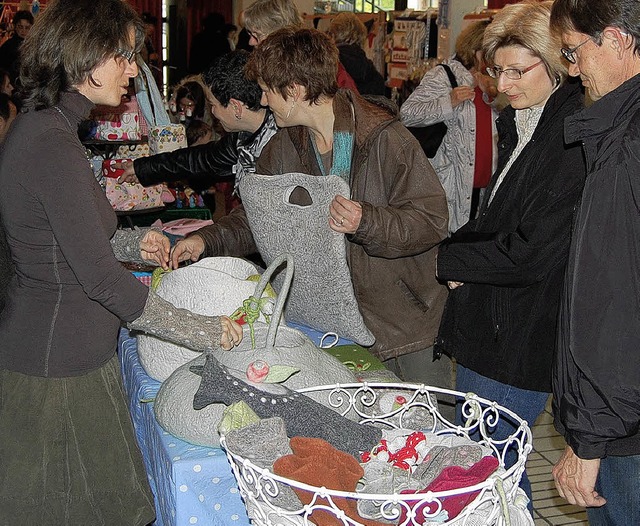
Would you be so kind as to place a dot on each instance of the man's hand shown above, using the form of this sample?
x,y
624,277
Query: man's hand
x,y
190,248
154,247
129,174
576,479
454,284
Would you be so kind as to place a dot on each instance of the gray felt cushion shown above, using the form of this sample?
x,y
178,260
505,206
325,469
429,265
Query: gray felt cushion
x,y
302,415
322,293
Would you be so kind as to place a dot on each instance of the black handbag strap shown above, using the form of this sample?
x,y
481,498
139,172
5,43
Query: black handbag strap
x,y
452,77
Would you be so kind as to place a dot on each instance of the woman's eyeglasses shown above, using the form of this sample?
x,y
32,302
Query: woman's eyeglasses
x,y
570,53
128,55
510,73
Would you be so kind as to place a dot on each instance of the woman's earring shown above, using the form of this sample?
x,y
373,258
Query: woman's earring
x,y
238,116
291,109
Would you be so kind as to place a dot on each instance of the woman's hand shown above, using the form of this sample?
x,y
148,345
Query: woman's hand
x,y
344,215
231,333
190,248
129,174
461,94
155,247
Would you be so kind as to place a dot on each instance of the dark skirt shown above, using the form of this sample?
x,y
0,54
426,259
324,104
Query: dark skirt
x,y
68,455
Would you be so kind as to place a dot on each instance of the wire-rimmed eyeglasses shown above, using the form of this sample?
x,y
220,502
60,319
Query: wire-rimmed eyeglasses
x,y
569,53
128,55
510,73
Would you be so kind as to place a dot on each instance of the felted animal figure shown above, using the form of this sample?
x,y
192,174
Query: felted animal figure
x,y
303,416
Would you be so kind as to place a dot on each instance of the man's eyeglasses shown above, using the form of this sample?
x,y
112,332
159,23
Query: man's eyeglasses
x,y
128,55
257,35
570,53
510,73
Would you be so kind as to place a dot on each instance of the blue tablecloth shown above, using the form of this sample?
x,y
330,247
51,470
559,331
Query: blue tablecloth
x,y
191,484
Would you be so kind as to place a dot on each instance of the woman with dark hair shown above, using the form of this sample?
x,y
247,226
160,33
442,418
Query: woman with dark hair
x,y
10,50
67,449
396,212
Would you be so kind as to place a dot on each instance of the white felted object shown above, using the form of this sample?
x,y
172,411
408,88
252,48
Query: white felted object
x,y
174,401
322,294
274,344
213,287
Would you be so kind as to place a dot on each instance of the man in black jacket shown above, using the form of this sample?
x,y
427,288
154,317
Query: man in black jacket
x,y
596,380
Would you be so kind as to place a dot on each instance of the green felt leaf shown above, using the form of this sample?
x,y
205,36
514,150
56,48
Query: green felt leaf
x,y
156,276
237,416
279,373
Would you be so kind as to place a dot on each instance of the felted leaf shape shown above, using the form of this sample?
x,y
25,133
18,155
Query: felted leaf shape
x,y
237,416
279,373
156,277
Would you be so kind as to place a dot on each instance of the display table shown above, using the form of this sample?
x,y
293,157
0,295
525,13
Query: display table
x,y
191,484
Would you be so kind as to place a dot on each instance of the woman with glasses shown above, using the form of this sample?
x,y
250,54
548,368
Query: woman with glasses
x,y
505,269
68,454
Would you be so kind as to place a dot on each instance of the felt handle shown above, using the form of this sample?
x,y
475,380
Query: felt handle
x,y
282,295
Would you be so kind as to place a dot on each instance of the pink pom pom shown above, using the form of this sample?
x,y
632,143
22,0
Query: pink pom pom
x,y
257,371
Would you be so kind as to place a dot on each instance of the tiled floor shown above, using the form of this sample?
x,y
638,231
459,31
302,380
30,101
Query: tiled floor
x,y
549,508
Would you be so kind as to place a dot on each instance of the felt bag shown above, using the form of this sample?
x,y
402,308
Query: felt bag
x,y
322,293
275,344
431,137
213,287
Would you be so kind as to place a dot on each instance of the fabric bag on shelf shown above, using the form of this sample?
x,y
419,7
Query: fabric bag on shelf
x,y
118,124
431,137
164,136
125,197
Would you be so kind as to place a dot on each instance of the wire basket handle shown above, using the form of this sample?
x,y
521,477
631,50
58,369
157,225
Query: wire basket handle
x,y
282,295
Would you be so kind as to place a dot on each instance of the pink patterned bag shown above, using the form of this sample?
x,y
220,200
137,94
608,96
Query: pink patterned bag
x,y
133,196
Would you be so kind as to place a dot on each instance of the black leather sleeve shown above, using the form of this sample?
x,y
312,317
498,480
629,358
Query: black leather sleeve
x,y
201,165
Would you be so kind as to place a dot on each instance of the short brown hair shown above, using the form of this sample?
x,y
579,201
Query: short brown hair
x,y
469,42
347,28
267,16
311,60
527,25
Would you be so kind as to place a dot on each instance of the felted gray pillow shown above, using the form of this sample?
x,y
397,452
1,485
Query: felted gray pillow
x,y
322,293
302,415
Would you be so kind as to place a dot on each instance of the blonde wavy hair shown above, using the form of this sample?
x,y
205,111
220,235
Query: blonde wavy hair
x,y
347,28
527,25
267,16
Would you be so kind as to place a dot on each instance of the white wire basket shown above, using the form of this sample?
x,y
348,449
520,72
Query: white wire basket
x,y
499,500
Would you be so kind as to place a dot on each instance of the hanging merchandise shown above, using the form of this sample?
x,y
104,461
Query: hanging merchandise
x,y
35,7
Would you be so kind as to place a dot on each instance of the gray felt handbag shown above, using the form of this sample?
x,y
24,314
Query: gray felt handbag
x,y
275,344
322,294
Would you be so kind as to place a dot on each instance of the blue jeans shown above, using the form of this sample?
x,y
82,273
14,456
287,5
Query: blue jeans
x,y
619,483
528,405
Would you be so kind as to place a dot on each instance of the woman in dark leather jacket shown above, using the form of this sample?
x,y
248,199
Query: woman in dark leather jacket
x,y
236,104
